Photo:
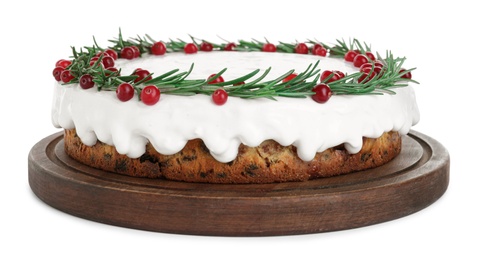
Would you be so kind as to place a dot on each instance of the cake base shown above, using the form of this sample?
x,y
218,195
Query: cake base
x,y
267,163
415,179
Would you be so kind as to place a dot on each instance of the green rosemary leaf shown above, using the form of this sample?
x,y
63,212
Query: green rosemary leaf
x,y
160,78
174,78
254,82
217,75
296,94
126,78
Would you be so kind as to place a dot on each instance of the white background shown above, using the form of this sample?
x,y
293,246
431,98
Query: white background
x,y
439,39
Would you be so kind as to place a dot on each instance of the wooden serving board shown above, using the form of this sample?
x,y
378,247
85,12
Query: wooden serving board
x,y
412,181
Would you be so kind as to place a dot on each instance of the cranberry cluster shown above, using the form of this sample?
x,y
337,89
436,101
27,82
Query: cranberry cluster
x,y
369,66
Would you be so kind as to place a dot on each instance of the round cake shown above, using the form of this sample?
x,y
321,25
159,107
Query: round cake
x,y
243,112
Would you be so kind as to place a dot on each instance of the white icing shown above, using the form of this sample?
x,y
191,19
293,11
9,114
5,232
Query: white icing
x,y
169,124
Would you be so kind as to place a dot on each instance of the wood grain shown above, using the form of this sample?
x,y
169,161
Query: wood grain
x,y
412,181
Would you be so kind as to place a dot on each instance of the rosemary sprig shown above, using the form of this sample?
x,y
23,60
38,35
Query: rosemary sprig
x,y
175,82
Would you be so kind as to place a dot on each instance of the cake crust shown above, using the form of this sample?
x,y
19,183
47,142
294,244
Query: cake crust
x,y
267,163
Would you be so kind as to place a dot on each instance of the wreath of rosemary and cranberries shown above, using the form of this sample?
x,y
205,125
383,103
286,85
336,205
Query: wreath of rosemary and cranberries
x,y
95,66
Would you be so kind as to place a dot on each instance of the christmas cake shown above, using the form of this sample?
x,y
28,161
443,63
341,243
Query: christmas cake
x,y
234,112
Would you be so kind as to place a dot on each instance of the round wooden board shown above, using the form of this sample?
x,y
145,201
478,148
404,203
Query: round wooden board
x,y
412,181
